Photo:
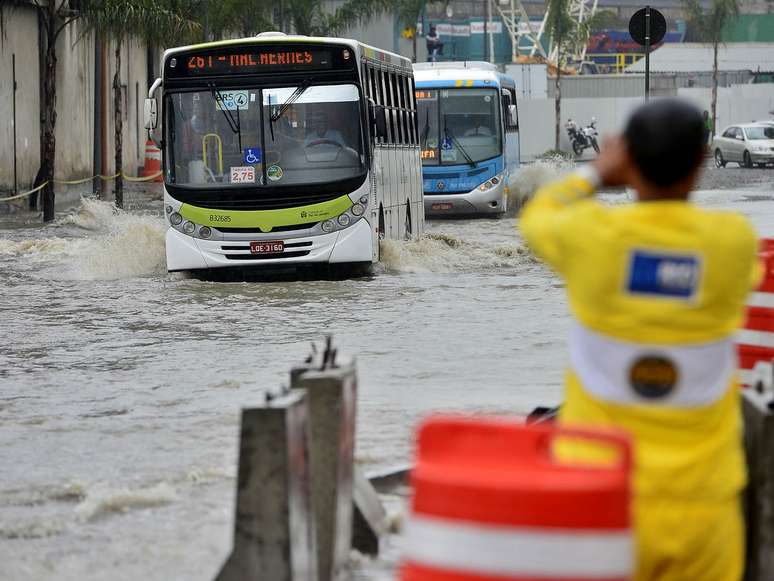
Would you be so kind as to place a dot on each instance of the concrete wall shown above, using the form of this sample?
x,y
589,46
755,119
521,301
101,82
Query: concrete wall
x,y
633,84
20,38
75,101
737,104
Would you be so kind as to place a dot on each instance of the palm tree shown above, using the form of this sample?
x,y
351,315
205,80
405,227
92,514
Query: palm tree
x,y
709,25
309,17
151,20
563,32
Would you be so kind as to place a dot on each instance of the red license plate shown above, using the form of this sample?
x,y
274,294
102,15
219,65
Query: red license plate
x,y
270,247
442,206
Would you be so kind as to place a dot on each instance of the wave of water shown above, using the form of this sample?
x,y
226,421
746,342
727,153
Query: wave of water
x,y
443,253
104,500
99,242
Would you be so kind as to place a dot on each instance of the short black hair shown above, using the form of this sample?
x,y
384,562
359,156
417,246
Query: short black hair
x,y
666,140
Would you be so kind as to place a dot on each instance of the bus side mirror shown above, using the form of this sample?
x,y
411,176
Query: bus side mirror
x,y
378,121
151,114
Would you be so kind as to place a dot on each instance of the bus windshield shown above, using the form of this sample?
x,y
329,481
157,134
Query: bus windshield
x,y
297,135
458,126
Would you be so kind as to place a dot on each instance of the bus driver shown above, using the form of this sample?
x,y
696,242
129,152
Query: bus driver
x,y
319,131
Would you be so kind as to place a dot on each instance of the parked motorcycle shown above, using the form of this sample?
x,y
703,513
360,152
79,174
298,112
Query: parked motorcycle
x,y
582,139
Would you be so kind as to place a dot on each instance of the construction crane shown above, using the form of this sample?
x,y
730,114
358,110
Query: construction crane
x,y
526,41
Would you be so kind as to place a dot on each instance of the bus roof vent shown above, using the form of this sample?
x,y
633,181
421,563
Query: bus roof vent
x,y
271,33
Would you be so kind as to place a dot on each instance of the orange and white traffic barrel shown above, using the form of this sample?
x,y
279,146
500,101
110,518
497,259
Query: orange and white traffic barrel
x,y
152,166
755,341
490,503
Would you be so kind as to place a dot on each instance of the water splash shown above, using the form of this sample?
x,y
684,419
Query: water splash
x,y
442,253
532,177
98,242
43,246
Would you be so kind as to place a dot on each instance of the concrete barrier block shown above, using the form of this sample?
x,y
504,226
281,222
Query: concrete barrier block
x,y
759,496
331,397
274,527
388,480
370,519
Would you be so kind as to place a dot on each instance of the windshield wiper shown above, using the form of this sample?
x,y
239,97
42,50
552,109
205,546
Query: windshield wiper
x,y
233,123
292,99
425,130
450,135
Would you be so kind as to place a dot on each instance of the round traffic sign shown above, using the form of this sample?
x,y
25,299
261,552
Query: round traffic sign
x,y
658,26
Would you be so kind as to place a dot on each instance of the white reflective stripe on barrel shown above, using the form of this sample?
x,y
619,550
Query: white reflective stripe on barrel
x,y
755,338
761,300
152,154
501,550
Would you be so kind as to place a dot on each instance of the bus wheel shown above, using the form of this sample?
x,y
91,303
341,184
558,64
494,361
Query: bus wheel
x,y
408,234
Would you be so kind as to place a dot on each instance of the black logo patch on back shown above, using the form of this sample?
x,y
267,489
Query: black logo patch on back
x,y
653,376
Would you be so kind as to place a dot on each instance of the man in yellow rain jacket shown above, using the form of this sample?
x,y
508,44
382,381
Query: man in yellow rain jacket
x,y
657,289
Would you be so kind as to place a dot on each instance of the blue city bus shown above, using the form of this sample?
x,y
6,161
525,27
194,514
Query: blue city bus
x,y
469,137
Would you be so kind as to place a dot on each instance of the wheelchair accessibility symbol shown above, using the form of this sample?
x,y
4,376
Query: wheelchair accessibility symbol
x,y
252,155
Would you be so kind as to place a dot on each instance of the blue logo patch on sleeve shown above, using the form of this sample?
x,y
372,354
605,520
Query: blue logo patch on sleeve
x,y
664,275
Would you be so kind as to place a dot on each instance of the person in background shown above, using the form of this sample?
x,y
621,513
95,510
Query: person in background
x,y
707,120
434,44
657,289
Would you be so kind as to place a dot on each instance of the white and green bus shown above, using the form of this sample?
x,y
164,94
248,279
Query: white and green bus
x,y
285,150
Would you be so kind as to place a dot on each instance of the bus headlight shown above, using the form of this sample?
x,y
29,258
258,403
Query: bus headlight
x,y
364,200
357,209
328,226
205,232
490,183
175,219
344,220
189,228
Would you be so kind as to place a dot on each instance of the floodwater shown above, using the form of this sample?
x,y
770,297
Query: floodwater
x,y
121,385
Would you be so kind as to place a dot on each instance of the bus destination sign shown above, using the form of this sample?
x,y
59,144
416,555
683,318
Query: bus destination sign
x,y
248,60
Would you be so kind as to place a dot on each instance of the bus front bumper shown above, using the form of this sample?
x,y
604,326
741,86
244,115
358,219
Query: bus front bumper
x,y
492,201
353,244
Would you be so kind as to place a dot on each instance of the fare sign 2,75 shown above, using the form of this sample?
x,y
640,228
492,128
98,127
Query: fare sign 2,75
x,y
243,175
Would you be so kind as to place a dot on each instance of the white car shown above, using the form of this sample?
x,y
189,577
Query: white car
x,y
748,145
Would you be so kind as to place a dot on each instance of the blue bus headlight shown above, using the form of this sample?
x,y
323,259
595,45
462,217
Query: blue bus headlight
x,y
490,183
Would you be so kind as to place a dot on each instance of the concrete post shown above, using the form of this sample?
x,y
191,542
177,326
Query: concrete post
x,y
274,527
759,500
331,396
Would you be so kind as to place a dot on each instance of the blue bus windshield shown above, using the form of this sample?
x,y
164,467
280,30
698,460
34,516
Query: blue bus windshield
x,y
458,126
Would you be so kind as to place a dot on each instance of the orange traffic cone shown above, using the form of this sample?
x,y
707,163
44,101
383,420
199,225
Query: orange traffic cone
x,y
152,164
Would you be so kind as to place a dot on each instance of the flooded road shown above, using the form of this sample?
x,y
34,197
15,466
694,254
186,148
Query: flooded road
x,y
121,385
